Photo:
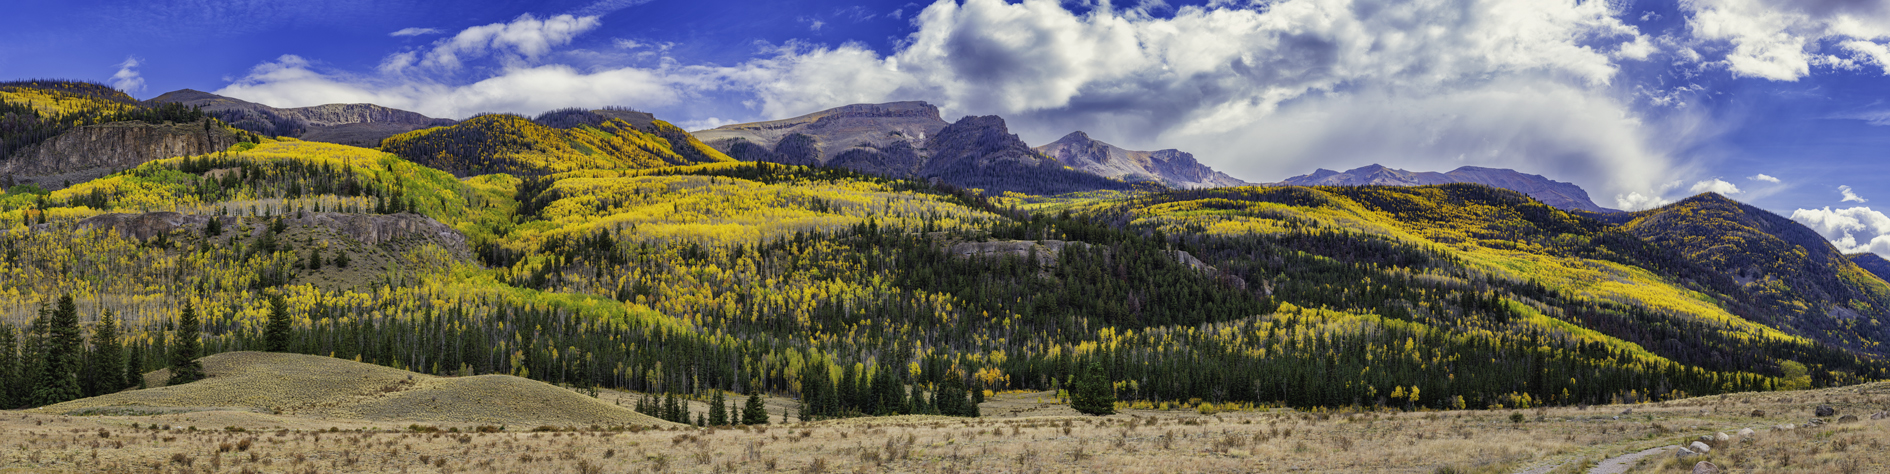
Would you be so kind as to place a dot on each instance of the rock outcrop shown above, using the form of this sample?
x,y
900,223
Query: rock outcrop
x,y
363,125
94,151
378,230
1172,168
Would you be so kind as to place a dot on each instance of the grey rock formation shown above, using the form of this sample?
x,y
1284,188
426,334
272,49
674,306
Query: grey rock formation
x,y
94,151
1172,168
865,128
1562,195
363,125
1824,410
379,230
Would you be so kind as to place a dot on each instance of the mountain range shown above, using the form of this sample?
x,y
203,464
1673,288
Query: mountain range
x,y
607,247
1555,193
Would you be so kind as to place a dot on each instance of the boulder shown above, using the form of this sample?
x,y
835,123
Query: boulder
x,y
1785,427
1825,410
1700,447
1744,432
1722,437
1684,453
1848,419
1880,415
1758,413
1814,422
1704,467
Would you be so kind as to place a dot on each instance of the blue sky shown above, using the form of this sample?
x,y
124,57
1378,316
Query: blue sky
x,y
1779,104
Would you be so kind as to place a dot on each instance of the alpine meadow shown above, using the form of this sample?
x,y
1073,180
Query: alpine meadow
x,y
618,237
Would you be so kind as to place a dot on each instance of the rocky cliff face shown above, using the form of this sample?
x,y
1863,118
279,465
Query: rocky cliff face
x,y
1562,195
361,125
388,231
93,151
822,137
1172,168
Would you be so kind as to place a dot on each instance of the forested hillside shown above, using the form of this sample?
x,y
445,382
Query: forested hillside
x,y
584,248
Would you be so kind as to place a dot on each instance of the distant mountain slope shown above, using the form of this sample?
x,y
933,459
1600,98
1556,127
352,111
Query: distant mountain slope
x,y
907,139
821,137
363,125
1784,265
1172,168
500,143
54,133
1555,193
1873,263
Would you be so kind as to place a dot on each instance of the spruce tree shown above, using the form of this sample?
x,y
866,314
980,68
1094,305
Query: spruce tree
x,y
106,372
134,368
1092,393
718,410
10,380
185,348
277,333
59,376
756,413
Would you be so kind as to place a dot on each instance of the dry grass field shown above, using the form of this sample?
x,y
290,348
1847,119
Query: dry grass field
x,y
286,413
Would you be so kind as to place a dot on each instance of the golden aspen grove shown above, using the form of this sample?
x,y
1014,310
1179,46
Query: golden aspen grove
x,y
591,251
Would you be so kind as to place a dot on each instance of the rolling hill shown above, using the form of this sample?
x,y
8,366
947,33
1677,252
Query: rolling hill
x,y
1873,263
500,143
319,387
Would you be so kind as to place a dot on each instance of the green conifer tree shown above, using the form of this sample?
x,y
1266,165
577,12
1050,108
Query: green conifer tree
x,y
10,380
186,346
277,333
718,410
756,413
106,371
1092,393
59,376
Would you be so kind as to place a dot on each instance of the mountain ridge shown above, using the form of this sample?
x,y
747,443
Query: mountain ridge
x,y
1562,195
360,124
1170,167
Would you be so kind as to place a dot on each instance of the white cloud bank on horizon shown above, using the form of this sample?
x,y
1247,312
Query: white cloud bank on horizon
x,y
1852,230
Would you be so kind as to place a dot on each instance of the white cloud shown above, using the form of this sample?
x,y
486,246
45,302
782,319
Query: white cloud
x,y
1763,177
127,78
515,43
1850,196
292,81
602,7
415,31
1635,201
1782,41
1852,230
1715,185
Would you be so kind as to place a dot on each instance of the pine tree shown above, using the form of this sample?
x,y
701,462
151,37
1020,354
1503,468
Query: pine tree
x,y
213,227
134,369
341,260
315,259
718,410
9,368
277,332
106,372
185,348
756,413
1092,393
59,376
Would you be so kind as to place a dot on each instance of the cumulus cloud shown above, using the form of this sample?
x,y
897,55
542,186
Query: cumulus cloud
x,y
1783,41
415,31
1763,177
519,41
292,81
1852,230
127,78
1715,185
1850,196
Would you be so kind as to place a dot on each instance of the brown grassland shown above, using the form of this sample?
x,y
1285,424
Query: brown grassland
x,y
291,413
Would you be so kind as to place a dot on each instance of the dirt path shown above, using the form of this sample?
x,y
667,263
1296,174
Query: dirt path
x,y
1620,464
